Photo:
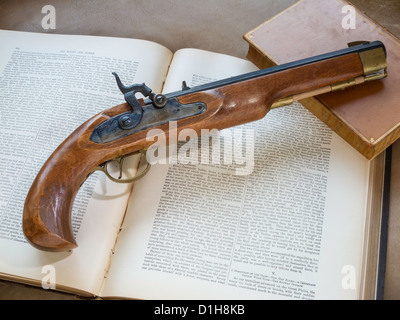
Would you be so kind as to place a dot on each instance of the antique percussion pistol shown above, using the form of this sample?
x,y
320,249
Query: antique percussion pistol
x,y
121,130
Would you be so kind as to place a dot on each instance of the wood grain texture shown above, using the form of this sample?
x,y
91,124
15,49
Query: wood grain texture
x,y
48,205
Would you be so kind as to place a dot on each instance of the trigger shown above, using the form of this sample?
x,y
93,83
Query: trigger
x,y
120,161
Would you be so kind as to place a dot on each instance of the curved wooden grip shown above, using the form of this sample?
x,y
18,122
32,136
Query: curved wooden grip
x,y
48,205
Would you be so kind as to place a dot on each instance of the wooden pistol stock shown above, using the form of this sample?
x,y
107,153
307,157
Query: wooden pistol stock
x,y
122,130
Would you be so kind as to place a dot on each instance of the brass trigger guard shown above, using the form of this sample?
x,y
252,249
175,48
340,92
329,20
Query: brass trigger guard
x,y
120,160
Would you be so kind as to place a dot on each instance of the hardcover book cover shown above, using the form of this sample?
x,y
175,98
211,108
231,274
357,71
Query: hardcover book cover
x,y
367,116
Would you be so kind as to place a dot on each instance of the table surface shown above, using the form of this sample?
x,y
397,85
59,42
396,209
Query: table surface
x,y
219,26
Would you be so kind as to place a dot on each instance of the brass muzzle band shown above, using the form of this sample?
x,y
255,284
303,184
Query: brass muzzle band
x,y
374,66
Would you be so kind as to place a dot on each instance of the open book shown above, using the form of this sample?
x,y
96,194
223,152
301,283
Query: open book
x,y
304,224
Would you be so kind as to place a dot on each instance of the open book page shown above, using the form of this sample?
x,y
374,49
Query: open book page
x,y
287,229
49,85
